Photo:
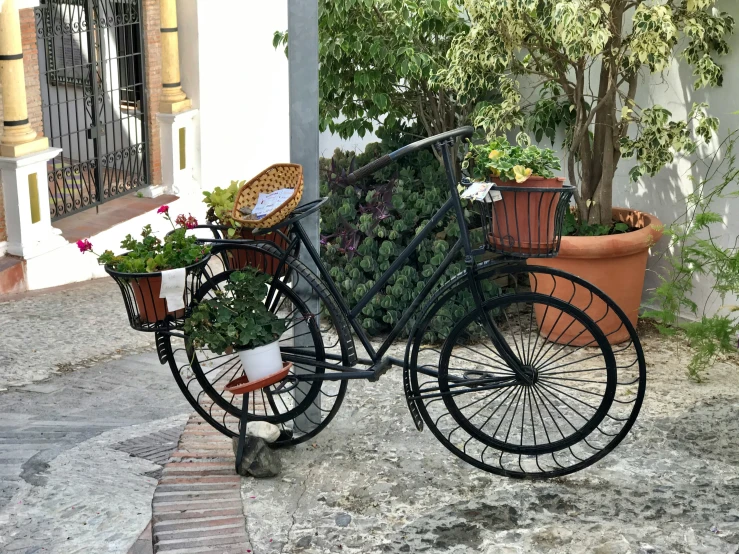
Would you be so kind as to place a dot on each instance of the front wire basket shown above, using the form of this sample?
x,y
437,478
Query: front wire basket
x,y
524,222
146,311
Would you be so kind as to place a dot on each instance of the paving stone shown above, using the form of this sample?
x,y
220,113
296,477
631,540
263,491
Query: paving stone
x,y
66,329
665,489
62,471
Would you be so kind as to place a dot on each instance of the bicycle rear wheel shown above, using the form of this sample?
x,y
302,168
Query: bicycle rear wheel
x,y
578,396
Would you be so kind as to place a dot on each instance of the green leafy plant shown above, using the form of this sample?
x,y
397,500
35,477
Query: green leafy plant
x,y
698,250
152,254
588,58
498,158
236,317
377,60
365,227
220,203
573,226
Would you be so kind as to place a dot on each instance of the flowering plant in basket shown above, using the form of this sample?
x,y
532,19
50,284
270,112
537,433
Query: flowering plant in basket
x,y
524,213
138,270
236,318
151,254
501,160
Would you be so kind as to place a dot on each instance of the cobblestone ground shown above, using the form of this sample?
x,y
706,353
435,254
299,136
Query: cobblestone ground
x,y
69,481
371,483
48,333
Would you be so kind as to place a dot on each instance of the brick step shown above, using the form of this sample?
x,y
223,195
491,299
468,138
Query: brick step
x,y
12,275
197,507
160,516
195,523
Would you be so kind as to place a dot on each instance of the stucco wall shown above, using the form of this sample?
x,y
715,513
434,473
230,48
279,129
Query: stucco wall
x,y
665,194
239,83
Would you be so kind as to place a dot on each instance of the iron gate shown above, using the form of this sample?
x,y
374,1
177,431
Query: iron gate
x,y
92,87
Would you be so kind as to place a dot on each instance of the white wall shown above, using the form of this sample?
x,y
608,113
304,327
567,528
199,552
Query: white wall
x,y
239,82
329,142
665,194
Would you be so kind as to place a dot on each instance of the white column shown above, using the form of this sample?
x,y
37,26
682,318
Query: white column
x,y
18,137
26,195
177,138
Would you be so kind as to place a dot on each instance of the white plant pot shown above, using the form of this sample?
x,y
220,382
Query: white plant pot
x,y
261,362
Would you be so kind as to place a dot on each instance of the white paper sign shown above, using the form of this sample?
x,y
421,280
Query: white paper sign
x,y
482,193
267,203
173,288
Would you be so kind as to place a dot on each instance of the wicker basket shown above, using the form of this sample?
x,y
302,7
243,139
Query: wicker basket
x,y
276,177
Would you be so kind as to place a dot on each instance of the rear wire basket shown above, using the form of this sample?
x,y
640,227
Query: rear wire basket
x,y
524,222
146,311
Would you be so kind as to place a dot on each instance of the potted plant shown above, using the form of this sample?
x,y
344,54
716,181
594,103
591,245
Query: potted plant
x,y
523,220
220,203
237,319
139,270
585,63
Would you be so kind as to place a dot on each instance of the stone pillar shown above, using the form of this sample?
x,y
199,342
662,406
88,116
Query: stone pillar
x,y
302,21
174,99
178,154
26,193
18,138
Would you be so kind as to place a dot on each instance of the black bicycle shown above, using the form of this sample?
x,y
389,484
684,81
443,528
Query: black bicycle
x,y
539,374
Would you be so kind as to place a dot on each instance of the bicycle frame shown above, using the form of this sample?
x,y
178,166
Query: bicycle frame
x,y
453,203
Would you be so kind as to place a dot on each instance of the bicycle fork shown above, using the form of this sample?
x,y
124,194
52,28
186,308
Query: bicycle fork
x,y
492,330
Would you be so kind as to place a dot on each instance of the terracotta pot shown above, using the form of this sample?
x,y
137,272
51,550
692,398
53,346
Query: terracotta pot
x,y
523,223
239,259
146,291
616,264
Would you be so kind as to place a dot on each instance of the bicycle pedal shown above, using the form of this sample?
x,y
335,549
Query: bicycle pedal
x,y
380,369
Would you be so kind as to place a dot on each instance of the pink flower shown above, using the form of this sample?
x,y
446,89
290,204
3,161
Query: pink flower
x,y
187,222
84,245
163,210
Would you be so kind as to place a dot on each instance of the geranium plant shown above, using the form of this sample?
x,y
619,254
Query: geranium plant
x,y
151,254
498,158
583,61
236,317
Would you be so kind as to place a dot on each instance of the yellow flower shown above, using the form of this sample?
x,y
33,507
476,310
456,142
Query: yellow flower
x,y
495,154
495,173
522,173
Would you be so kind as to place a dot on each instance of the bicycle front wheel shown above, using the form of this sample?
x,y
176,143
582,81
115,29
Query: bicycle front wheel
x,y
574,400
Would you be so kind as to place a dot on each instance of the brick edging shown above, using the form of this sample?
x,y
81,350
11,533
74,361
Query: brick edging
x,y
197,504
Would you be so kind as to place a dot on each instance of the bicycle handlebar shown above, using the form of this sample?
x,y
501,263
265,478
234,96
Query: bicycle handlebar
x,y
387,159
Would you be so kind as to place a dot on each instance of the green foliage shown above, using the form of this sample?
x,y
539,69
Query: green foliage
x,y
573,226
587,58
236,317
376,62
151,254
498,158
364,228
698,252
220,205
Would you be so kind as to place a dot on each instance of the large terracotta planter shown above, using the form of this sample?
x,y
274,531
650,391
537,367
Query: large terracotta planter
x,y
240,259
616,264
524,221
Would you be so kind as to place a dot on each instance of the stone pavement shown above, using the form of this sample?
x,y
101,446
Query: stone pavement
x,y
80,455
55,331
370,483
